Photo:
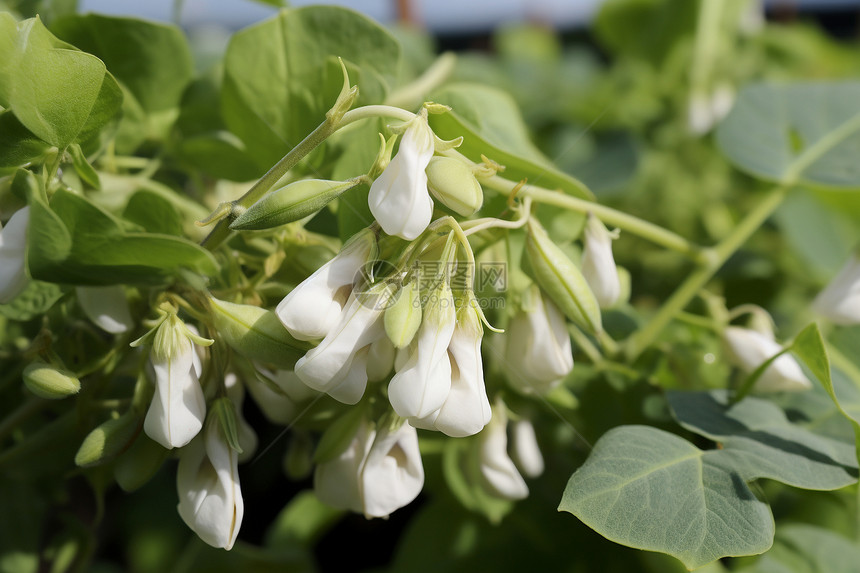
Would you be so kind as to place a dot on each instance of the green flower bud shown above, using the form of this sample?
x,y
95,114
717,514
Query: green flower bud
x,y
403,318
137,465
561,279
298,461
454,185
108,440
49,382
291,203
256,334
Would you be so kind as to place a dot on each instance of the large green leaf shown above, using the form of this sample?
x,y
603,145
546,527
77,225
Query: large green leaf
x,y
8,37
490,124
18,145
60,94
282,75
796,133
801,548
73,241
650,489
764,444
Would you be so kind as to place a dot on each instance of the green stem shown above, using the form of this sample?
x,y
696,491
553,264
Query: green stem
x,y
629,223
714,259
413,94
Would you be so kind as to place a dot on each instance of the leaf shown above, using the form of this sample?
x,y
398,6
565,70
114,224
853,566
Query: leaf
x,y
73,241
303,520
490,124
806,133
282,75
646,29
83,168
763,443
649,489
18,145
35,300
8,37
220,154
807,548
809,347
154,213
60,94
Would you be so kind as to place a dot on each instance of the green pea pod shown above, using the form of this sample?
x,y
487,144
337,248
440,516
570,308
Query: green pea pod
x,y
561,279
291,203
108,440
256,334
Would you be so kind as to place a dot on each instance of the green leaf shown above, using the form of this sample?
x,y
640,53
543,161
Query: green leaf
x,y
339,434
220,154
83,168
490,124
809,347
18,145
646,29
8,38
806,133
35,300
282,75
649,489
807,549
461,468
303,520
73,241
60,94
154,213
763,443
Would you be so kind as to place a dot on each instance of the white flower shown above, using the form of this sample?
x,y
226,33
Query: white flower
x,y
207,480
497,468
466,409
539,352
598,264
749,349
392,475
422,384
378,473
313,308
839,302
13,243
178,408
107,307
399,199
525,449
329,366
279,405
247,435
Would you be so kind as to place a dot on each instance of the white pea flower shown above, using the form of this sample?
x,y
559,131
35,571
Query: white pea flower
x,y
422,384
399,199
497,468
466,409
247,436
749,349
178,407
539,352
107,307
598,264
378,473
313,308
839,302
13,243
329,366
380,359
525,449
207,480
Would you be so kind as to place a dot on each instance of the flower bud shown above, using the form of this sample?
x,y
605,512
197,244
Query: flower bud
x,y
398,198
137,465
526,452
561,279
291,203
392,475
749,349
839,302
598,264
403,318
497,468
13,243
49,382
454,185
255,333
107,307
108,440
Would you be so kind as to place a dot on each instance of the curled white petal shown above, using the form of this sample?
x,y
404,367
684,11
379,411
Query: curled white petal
x,y
598,263
210,497
839,302
313,308
336,482
178,407
107,307
749,349
13,243
422,384
497,468
398,198
539,352
526,451
392,475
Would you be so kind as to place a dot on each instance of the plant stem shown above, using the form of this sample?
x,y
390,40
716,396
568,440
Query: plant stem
x,y
715,258
629,223
412,94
